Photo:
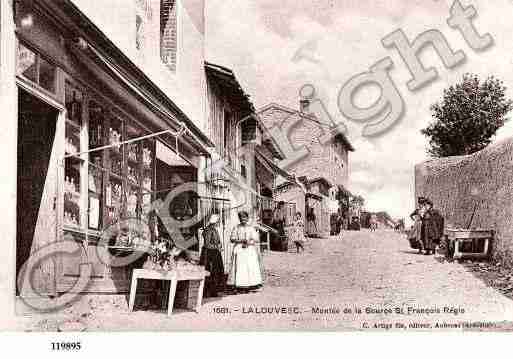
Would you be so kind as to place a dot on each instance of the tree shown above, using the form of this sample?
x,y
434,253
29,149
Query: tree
x,y
467,117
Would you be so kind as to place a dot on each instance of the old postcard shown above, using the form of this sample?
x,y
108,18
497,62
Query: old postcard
x,y
256,165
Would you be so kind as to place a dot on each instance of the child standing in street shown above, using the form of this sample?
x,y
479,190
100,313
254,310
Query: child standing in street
x,y
299,232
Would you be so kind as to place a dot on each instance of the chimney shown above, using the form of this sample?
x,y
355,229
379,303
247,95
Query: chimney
x,y
304,105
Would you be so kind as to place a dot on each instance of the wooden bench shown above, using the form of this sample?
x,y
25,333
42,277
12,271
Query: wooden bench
x,y
173,276
471,243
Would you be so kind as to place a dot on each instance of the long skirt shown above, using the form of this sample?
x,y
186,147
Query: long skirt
x,y
246,270
213,262
427,240
298,235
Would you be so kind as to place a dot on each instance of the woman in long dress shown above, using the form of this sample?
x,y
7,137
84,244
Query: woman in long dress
x,y
418,228
428,225
433,223
299,232
277,240
211,258
245,272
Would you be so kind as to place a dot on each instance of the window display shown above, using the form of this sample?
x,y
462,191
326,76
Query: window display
x,y
119,179
73,165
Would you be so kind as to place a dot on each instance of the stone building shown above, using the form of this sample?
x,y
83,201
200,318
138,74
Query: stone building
x,y
241,172
321,164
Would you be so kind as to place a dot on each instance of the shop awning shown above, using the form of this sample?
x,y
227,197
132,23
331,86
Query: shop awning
x,y
173,116
168,156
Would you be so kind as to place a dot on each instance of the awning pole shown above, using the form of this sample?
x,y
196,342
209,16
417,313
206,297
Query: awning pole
x,y
76,154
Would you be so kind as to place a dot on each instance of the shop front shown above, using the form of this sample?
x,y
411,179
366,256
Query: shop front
x,y
98,143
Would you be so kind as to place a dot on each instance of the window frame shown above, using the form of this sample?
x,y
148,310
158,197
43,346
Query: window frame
x,y
38,55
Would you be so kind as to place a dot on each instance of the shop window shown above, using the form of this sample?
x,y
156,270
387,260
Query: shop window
x,y
74,164
96,166
168,33
27,63
106,187
33,67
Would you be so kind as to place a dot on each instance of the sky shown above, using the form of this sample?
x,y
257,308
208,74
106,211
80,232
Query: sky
x,y
260,40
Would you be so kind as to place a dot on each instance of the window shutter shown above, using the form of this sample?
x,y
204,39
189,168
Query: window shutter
x,y
143,17
168,33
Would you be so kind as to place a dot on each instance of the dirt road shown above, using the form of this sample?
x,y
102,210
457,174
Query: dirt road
x,y
359,280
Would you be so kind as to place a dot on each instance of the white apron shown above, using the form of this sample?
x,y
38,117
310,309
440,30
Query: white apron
x,y
245,270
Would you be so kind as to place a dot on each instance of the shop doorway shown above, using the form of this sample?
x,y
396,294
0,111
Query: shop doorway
x,y
36,184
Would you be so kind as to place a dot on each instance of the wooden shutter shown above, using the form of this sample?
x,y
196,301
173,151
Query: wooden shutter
x,y
168,33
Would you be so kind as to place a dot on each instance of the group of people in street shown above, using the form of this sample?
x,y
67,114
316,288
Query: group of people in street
x,y
428,227
246,269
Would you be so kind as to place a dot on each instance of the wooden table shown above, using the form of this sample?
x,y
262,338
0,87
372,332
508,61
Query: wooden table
x,y
173,276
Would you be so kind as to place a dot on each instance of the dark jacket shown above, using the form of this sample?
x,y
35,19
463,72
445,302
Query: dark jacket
x,y
433,225
212,238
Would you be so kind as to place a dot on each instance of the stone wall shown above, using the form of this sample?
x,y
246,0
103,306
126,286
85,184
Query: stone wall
x,y
482,182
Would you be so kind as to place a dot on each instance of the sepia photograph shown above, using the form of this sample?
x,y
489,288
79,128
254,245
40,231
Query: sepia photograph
x,y
256,166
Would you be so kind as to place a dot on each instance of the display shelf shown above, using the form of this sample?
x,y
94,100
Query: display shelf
x,y
95,180
117,177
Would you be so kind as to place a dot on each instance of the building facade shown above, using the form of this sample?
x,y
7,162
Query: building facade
x,y
242,171
321,166
107,129
106,125
331,158
120,127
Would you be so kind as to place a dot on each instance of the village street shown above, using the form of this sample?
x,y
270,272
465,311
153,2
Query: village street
x,y
356,270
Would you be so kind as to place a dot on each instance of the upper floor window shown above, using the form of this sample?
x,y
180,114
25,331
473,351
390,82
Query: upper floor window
x,y
33,67
168,33
143,16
